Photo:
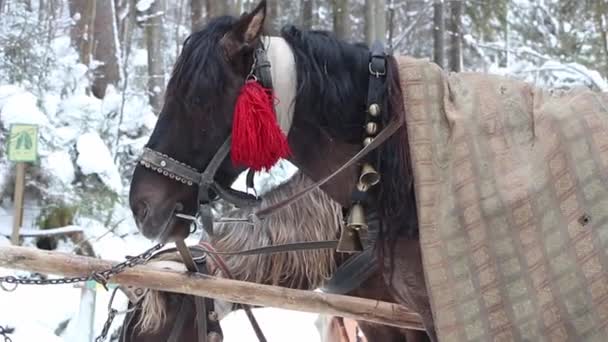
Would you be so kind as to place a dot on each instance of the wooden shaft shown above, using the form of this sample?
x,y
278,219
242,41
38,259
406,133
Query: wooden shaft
x,y
206,286
18,202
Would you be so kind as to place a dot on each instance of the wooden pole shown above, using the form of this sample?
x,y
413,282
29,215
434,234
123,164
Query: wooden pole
x,y
18,202
206,286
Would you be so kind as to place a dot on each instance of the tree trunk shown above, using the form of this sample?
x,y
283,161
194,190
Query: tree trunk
x,y
216,8
272,17
156,63
455,36
369,21
438,33
307,6
105,49
379,20
602,24
341,19
196,14
94,36
82,31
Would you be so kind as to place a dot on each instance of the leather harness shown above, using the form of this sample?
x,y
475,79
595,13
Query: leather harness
x,y
350,274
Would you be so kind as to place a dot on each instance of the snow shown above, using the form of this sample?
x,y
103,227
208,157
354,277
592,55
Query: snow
x,y
20,107
277,325
144,5
94,157
59,164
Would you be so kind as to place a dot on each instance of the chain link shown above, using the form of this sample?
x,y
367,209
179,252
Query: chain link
x,y
101,277
106,326
4,333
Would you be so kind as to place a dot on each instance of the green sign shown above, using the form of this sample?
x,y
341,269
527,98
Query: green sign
x,y
23,143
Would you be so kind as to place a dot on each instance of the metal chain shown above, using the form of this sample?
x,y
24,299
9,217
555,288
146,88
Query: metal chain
x,y
101,277
4,333
106,326
111,314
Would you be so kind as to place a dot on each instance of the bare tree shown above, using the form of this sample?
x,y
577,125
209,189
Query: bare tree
x,y
380,20
341,19
196,13
455,35
216,8
307,9
438,33
272,17
94,35
82,32
105,49
369,25
153,26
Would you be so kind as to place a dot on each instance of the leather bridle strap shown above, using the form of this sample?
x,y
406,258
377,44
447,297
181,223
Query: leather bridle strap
x,y
188,175
199,302
207,247
282,248
386,133
180,319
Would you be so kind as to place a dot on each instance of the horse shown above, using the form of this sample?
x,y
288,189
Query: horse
x,y
316,217
321,83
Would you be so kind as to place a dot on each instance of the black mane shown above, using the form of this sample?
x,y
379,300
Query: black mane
x,y
338,70
200,68
328,66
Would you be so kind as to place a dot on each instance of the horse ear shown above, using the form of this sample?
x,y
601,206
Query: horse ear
x,y
246,31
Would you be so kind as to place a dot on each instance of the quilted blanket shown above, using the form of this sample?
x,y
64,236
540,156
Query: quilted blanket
x,y
512,193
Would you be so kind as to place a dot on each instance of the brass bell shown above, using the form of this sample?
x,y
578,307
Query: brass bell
x,y
369,175
362,187
350,241
356,217
374,109
371,128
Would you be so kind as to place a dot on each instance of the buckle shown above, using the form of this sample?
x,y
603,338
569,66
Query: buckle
x,y
376,72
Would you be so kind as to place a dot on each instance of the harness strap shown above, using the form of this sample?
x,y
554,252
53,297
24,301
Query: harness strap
x,y
199,302
282,248
180,319
351,273
386,133
201,318
224,268
358,267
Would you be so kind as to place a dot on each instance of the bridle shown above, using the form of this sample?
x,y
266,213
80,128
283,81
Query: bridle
x,y
355,271
207,320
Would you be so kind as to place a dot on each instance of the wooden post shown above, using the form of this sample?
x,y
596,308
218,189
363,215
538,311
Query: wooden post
x,y
148,276
18,202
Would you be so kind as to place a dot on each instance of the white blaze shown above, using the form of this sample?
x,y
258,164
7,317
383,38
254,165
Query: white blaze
x,y
284,79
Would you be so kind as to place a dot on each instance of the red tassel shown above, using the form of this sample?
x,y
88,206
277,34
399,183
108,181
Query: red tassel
x,y
257,139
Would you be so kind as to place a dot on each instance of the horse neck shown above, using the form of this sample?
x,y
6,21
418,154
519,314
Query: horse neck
x,y
328,120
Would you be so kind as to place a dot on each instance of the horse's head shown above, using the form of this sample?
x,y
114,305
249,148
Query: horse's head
x,y
196,119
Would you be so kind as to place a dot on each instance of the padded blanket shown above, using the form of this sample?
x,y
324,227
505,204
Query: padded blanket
x,y
512,193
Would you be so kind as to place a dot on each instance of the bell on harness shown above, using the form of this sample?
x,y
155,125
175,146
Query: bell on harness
x,y
350,241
